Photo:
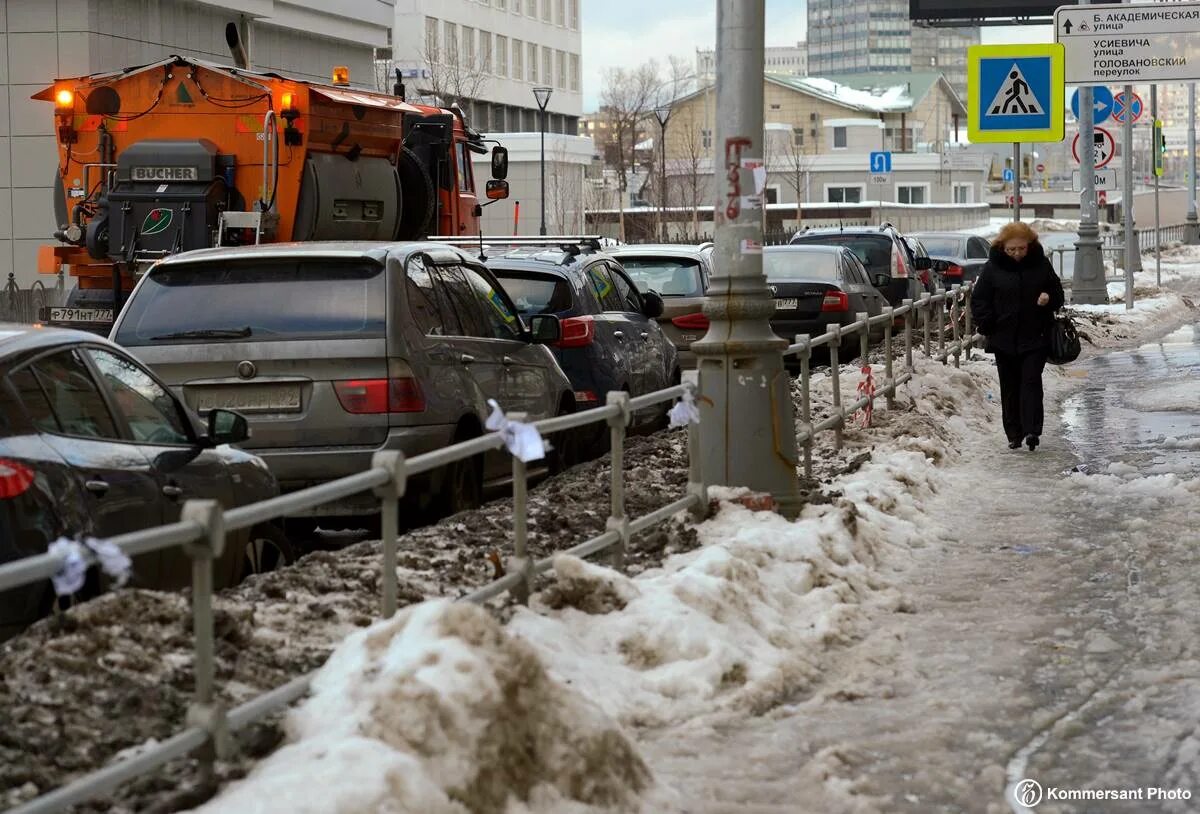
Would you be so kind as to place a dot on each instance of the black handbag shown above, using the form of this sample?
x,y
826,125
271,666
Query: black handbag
x,y
1064,340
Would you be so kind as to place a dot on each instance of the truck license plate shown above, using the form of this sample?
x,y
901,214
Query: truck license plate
x,y
62,315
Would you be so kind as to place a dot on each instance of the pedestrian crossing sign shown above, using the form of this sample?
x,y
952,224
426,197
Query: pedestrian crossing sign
x,y
1015,93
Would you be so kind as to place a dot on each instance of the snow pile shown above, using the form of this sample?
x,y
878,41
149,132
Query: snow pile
x,y
1110,326
1181,396
439,711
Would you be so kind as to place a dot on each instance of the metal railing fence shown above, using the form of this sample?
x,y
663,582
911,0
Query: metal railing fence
x,y
24,304
203,526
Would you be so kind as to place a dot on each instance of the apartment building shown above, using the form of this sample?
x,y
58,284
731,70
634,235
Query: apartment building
x,y
784,59
489,55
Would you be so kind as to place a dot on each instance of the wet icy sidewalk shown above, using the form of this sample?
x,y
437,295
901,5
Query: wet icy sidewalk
x,y
1053,638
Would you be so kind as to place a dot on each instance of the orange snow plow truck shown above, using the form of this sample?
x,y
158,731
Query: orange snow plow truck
x,y
184,154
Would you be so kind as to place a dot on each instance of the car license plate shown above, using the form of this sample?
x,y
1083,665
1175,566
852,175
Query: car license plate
x,y
62,315
786,304
248,398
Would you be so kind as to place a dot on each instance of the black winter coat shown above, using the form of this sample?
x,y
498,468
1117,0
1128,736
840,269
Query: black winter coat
x,y
1004,302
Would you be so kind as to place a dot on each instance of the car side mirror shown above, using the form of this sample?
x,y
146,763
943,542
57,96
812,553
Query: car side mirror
x,y
922,263
652,305
941,265
545,328
227,427
497,190
500,163
882,280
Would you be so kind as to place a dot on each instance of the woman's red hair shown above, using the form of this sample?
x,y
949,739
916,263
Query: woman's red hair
x,y
1015,229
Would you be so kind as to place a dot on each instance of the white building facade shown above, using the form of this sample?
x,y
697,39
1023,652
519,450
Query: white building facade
x,y
44,40
784,59
492,53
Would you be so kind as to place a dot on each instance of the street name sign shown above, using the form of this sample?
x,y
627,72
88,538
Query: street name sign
x,y
1104,180
1130,44
1015,93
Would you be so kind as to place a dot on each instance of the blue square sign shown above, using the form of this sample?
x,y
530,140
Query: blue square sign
x,y
881,162
1015,93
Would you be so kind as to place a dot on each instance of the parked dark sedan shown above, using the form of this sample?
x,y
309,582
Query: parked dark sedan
x,y
964,254
814,286
611,339
93,445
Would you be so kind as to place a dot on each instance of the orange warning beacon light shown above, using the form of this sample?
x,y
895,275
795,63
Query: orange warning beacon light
x,y
64,99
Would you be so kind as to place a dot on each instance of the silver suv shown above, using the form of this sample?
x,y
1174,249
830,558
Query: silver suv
x,y
336,350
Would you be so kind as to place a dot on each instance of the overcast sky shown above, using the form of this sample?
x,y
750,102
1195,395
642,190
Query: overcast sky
x,y
630,32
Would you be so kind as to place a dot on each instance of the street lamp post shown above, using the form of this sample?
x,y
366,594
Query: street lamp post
x,y
663,114
542,95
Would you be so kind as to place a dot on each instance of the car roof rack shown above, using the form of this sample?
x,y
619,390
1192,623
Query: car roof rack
x,y
572,245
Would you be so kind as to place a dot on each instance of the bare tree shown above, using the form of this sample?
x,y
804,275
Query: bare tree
x,y
688,141
678,78
457,75
798,163
565,202
628,97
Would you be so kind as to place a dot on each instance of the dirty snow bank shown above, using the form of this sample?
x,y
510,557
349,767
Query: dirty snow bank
x,y
438,711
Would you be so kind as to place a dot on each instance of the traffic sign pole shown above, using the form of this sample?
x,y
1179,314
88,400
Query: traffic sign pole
x,y
1192,233
1131,247
1016,181
1155,147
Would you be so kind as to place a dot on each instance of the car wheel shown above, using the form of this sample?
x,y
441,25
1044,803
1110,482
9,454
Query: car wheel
x,y
267,550
564,452
460,487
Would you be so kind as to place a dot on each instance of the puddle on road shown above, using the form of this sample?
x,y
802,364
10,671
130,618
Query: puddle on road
x,y
1141,408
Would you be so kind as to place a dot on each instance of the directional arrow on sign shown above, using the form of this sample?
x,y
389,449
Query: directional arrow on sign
x,y
1067,26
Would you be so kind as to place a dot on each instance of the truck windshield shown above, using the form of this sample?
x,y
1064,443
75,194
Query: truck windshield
x,y
260,300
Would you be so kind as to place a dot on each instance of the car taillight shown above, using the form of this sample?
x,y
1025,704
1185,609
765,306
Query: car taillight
x,y
399,394
954,270
691,322
586,397
577,332
15,479
836,301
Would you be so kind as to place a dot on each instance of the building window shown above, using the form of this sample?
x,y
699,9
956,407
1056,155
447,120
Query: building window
x,y
844,194
912,193
574,10
560,12
431,39
706,139
485,51
451,32
518,63
548,65
502,4
839,138
468,46
547,11
575,72
531,8
533,56
501,55
562,69
964,193
797,136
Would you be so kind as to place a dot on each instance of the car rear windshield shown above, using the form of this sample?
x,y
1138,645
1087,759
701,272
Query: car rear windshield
x,y
536,293
259,301
875,251
670,277
792,264
942,246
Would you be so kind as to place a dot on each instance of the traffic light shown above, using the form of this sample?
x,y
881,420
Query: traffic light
x,y
1160,148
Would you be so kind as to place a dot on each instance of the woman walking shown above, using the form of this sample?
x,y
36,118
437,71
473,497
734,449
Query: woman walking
x,y
1013,304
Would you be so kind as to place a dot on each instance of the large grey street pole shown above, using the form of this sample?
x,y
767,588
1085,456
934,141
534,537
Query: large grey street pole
x,y
1155,158
1087,284
1192,233
542,95
747,427
1132,249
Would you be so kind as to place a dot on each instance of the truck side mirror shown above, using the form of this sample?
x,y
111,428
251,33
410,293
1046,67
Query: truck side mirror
x,y
500,163
497,190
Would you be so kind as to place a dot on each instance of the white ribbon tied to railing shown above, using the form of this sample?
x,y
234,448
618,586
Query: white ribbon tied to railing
x,y
685,411
523,440
78,557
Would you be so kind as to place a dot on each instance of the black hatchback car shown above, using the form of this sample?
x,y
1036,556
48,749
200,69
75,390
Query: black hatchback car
x,y
611,339
92,444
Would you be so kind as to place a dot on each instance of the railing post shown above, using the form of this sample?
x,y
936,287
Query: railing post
x,y
835,370
805,354
954,290
864,337
697,488
925,309
204,711
888,372
618,520
520,561
970,338
941,324
909,316
389,515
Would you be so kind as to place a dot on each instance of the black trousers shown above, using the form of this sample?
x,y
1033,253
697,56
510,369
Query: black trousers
x,y
1021,392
